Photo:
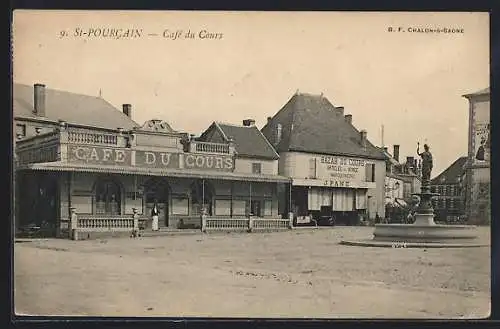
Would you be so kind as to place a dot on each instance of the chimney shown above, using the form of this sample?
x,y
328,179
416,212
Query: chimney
x,y
348,118
386,149
269,119
127,110
39,99
410,162
395,154
340,109
249,122
362,135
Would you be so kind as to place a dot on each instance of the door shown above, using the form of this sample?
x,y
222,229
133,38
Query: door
x,y
157,191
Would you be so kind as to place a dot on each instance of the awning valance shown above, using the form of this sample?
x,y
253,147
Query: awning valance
x,y
128,170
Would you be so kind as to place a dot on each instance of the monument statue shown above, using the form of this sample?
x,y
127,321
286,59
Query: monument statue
x,y
426,162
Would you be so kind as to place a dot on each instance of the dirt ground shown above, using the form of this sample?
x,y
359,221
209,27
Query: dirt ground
x,y
302,273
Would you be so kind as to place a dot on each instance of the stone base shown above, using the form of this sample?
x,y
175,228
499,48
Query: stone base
x,y
424,219
420,233
400,244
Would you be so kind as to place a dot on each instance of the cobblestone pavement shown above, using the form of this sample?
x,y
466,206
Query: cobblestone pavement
x,y
299,273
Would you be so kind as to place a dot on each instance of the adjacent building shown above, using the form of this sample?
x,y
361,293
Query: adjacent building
x,y
334,168
477,194
402,181
450,204
78,154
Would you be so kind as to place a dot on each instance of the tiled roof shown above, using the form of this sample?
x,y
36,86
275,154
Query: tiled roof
x,y
310,123
70,107
485,91
249,141
450,174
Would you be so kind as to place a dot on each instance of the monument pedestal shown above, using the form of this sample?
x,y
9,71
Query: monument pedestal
x,y
423,233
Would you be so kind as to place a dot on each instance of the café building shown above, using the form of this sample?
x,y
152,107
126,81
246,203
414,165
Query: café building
x,y
335,170
105,172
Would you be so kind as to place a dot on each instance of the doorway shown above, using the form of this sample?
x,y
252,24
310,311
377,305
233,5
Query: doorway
x,y
157,190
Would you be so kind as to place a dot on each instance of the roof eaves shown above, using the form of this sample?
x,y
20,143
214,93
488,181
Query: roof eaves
x,y
221,130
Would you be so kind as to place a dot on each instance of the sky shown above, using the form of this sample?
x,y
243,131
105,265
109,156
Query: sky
x,y
411,83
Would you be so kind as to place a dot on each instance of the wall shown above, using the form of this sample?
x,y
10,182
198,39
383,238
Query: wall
x,y
391,193
480,207
297,166
244,165
480,131
31,127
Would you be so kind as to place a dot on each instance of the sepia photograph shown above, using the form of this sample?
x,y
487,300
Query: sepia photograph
x,y
246,164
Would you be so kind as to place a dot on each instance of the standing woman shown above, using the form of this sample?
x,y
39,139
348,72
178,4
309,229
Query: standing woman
x,y
154,215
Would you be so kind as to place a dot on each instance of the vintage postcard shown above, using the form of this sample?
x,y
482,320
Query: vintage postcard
x,y
251,164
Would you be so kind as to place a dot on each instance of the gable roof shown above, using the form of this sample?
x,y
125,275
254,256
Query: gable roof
x,y
312,124
450,174
70,107
485,91
249,141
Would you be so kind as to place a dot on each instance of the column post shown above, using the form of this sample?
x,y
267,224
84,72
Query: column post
x,y
136,222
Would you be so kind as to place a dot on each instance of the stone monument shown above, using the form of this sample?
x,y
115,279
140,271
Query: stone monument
x,y
424,232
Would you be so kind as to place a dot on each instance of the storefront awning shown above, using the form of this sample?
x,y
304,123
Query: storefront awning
x,y
127,170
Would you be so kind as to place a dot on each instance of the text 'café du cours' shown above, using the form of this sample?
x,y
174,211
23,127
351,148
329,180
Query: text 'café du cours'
x,y
113,33
157,159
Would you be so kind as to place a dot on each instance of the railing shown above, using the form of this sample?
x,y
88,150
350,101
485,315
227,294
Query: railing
x,y
245,224
97,224
206,147
226,224
270,224
81,137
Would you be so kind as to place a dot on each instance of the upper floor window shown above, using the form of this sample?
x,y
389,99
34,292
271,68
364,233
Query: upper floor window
x,y
312,168
20,130
256,168
448,189
370,172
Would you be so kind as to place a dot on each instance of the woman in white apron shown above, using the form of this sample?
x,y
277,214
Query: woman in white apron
x,y
154,214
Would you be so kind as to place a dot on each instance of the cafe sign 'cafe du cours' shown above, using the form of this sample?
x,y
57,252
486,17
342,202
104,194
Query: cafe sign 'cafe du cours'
x,y
151,159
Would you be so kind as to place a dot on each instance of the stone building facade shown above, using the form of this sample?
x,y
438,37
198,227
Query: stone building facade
x,y
478,181
335,170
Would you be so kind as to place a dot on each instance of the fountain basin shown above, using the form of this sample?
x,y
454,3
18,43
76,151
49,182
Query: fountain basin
x,y
423,233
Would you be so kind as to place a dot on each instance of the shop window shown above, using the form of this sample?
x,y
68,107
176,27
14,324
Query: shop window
x,y
201,197
256,168
107,198
20,130
268,208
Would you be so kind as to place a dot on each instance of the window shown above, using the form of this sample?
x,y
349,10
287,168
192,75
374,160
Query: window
x,y
20,130
433,189
452,204
448,190
107,198
257,168
312,168
370,172
441,190
447,203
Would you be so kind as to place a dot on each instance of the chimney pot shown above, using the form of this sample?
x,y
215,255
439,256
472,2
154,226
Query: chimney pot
x,y
386,149
248,122
127,110
348,118
39,99
340,109
396,152
269,119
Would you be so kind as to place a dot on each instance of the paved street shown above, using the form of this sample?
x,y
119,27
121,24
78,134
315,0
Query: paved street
x,y
300,273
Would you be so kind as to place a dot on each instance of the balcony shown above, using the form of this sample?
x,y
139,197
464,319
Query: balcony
x,y
207,147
